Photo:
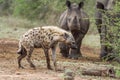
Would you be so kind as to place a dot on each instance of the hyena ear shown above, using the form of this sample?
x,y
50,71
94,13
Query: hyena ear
x,y
68,3
65,35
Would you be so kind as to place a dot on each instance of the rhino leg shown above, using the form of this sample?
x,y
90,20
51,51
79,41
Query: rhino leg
x,y
76,53
106,50
64,50
103,52
104,37
102,33
107,53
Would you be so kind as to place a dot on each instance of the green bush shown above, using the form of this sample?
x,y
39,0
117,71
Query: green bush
x,y
6,7
38,9
112,22
46,11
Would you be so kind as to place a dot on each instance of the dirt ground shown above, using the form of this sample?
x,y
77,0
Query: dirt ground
x,y
9,68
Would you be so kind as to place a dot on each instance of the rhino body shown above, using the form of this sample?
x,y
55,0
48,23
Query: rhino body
x,y
75,20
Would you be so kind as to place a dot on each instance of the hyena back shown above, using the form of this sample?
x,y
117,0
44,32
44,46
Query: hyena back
x,y
43,37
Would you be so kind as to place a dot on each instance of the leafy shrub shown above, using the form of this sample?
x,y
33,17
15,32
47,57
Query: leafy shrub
x,y
112,22
38,9
5,7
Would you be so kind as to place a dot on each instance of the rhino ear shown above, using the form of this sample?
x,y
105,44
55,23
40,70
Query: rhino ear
x,y
68,3
99,5
81,4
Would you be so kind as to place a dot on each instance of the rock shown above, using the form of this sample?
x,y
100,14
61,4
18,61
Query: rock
x,y
69,75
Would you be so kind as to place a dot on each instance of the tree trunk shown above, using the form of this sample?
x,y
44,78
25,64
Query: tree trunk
x,y
103,71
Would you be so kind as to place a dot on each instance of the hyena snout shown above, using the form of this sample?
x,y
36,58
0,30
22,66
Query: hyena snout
x,y
73,45
70,41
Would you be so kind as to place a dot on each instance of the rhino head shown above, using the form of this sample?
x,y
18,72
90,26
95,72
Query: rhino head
x,y
74,15
107,4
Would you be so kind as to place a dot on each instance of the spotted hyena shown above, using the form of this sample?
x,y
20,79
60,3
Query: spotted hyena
x,y
45,37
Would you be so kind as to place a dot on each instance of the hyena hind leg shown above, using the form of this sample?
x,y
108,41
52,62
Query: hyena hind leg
x,y
29,57
19,60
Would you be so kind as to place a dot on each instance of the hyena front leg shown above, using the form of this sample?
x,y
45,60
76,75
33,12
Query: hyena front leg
x,y
47,58
54,57
30,50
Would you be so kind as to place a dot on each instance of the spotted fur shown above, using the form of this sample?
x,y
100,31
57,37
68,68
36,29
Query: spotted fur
x,y
43,37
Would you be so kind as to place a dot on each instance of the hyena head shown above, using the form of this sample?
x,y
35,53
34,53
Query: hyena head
x,y
69,40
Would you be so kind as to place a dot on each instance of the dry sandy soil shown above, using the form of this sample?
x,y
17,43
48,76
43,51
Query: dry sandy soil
x,y
9,68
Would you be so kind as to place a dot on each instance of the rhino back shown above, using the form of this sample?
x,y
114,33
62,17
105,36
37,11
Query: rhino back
x,y
84,22
63,20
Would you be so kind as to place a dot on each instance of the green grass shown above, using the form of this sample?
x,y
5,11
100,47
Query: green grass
x,y
11,27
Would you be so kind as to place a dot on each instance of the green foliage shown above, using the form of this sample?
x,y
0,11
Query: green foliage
x,y
116,28
117,6
112,21
118,73
5,7
47,11
37,9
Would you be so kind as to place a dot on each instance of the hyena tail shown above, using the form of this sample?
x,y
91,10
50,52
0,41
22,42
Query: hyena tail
x,y
22,50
